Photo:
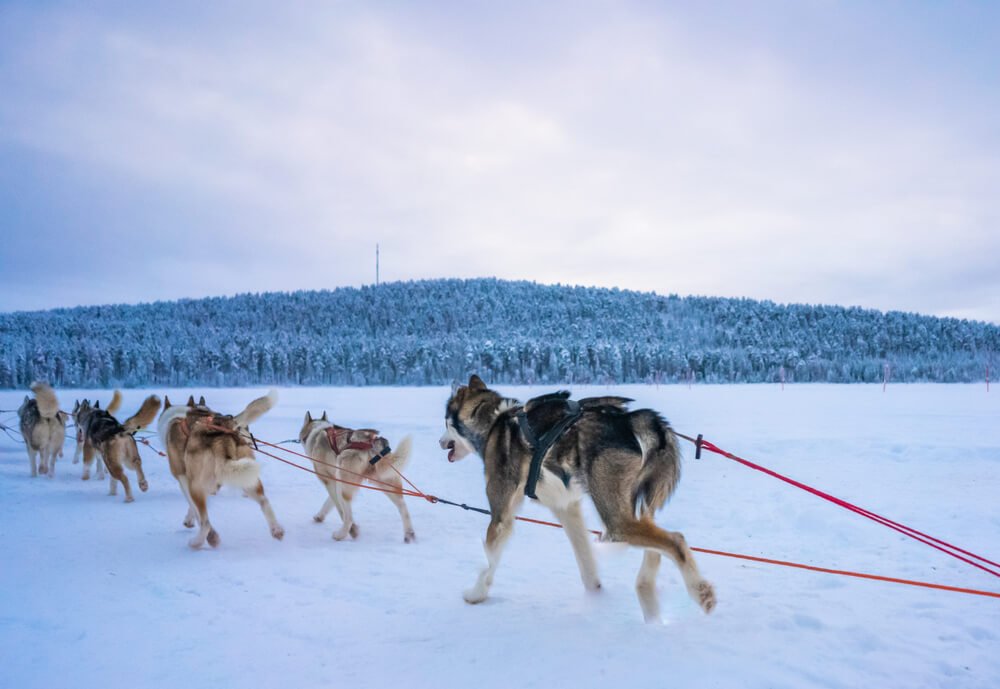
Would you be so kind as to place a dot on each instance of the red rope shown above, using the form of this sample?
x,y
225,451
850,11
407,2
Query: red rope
x,y
936,543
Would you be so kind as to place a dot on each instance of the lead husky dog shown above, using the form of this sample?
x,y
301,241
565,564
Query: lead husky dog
x,y
81,409
206,449
43,427
342,454
628,461
115,442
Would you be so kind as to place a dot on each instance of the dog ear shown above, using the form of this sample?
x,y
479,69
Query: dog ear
x,y
201,401
97,404
26,398
476,383
76,406
324,416
166,402
455,385
191,400
309,417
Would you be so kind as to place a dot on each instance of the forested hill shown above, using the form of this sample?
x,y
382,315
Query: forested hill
x,y
431,332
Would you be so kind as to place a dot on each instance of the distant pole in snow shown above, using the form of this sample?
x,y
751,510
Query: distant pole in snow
x,y
886,372
987,377
376,264
781,371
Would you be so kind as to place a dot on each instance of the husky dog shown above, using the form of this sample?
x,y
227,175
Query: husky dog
x,y
43,427
205,450
628,461
342,454
115,442
81,436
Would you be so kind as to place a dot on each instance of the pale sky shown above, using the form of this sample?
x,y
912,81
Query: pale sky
x,y
801,151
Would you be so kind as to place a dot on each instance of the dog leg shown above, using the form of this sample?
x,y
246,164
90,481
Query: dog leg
x,y
348,528
100,467
33,460
572,520
192,513
205,530
78,451
645,586
397,499
265,506
645,534
137,462
324,510
52,463
116,473
88,459
333,500
497,533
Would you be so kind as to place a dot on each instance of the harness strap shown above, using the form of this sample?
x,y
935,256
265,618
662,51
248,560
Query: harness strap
x,y
542,445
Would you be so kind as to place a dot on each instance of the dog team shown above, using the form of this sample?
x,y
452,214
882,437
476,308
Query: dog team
x,y
551,449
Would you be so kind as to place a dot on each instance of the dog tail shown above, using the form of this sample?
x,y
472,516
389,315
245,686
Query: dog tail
x,y
400,456
661,461
45,397
243,473
115,404
145,415
256,409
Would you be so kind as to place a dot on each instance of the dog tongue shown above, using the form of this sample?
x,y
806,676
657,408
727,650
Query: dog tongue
x,y
451,455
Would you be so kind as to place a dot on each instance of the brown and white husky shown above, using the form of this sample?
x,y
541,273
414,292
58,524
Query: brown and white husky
x,y
207,449
342,456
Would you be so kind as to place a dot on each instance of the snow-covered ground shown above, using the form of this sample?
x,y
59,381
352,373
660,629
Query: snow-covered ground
x,y
95,592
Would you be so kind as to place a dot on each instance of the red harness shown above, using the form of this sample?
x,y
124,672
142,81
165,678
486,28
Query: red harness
x,y
335,433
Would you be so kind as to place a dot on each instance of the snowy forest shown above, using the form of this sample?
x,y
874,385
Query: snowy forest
x,y
432,332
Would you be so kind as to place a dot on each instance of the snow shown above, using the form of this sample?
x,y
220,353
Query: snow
x,y
95,592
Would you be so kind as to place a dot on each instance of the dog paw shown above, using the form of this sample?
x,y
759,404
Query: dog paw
x,y
592,586
143,486
409,537
277,531
189,523
474,595
354,531
129,498
340,535
318,518
196,543
213,538
705,596
86,476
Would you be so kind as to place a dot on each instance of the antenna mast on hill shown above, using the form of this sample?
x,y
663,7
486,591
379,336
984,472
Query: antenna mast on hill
x,y
376,264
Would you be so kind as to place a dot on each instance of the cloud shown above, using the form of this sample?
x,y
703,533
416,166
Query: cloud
x,y
625,145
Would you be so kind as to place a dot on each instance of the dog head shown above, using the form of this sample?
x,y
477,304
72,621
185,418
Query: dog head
x,y
309,424
468,416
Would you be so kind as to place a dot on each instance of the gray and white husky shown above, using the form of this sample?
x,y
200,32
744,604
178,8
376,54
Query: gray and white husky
x,y
628,461
43,427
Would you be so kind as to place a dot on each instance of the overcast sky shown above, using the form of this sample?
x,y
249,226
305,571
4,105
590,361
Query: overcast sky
x,y
811,152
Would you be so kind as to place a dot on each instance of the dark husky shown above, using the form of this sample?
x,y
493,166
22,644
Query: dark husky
x,y
43,427
628,461
115,442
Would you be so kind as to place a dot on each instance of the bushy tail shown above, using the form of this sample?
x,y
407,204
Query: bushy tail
x,y
243,473
661,461
400,456
116,403
145,415
45,396
256,409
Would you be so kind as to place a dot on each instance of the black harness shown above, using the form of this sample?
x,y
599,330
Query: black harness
x,y
542,444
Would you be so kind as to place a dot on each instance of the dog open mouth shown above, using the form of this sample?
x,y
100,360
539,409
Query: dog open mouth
x,y
451,450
